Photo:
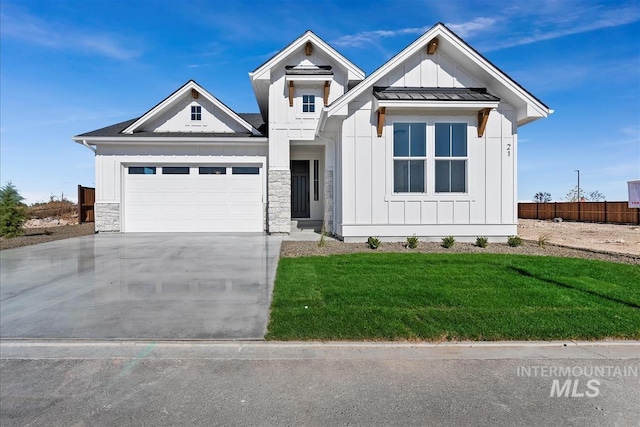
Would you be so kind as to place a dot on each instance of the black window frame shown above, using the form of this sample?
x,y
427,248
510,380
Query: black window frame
x,y
141,170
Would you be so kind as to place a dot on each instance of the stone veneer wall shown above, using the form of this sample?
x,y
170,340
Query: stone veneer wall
x,y
279,201
328,200
107,216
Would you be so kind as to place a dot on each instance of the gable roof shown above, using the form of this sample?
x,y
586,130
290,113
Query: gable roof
x,y
169,101
529,107
355,73
261,76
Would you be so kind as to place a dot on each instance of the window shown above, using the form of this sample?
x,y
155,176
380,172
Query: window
x,y
308,103
245,170
142,170
196,112
212,170
316,180
451,157
175,170
409,157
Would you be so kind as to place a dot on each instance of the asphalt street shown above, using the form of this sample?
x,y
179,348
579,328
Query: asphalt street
x,y
255,383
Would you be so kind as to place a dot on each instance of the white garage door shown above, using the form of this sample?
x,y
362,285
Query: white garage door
x,y
205,198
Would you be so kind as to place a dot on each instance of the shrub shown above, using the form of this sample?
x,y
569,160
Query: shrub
x,y
448,241
543,239
412,242
13,213
482,242
323,237
374,242
514,241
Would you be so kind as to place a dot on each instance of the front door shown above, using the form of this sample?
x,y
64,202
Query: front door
x,y
300,189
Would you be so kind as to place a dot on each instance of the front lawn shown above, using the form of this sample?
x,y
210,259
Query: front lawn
x,y
400,296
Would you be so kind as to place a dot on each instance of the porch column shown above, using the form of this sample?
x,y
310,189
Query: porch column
x,y
279,196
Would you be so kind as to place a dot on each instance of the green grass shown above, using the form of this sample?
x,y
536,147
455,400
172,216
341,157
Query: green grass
x,y
387,296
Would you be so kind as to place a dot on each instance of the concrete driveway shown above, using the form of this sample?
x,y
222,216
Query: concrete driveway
x,y
139,286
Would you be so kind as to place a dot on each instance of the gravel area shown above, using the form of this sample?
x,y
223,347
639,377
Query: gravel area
x,y
33,236
607,242
296,249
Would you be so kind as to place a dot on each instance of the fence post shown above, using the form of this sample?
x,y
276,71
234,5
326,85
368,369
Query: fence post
x,y
578,209
605,211
555,209
80,201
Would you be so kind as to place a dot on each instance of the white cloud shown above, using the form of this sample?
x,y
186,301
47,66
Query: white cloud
x,y
469,28
19,24
367,37
574,22
464,29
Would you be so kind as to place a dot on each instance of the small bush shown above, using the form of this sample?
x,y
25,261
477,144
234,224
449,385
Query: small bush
x,y
374,242
448,241
323,237
482,242
13,213
543,239
514,241
412,242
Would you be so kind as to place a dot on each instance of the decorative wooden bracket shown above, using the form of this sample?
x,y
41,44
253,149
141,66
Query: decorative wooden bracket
x,y
194,94
308,49
381,112
432,46
326,92
483,117
291,93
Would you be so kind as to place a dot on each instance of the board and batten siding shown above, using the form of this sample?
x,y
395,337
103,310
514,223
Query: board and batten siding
x,y
369,206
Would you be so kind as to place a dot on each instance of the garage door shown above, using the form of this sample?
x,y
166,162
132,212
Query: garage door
x,y
204,198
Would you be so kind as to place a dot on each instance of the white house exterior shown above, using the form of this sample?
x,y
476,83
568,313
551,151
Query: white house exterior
x,y
425,145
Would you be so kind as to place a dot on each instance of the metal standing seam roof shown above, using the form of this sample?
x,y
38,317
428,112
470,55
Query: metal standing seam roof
x,y
433,94
254,119
321,70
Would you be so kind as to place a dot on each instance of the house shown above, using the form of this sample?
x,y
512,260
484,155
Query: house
x,y
426,145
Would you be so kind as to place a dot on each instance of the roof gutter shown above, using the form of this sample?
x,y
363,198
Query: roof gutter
x,y
84,142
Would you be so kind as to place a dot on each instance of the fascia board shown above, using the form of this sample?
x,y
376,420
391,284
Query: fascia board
x,y
154,112
351,68
438,31
119,140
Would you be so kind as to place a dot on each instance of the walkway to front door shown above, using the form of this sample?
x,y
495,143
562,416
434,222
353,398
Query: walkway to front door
x,y
300,189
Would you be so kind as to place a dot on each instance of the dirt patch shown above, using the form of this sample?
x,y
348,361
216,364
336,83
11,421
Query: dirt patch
x,y
33,236
600,237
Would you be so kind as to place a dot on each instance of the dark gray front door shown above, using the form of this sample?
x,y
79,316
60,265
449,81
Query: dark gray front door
x,y
300,189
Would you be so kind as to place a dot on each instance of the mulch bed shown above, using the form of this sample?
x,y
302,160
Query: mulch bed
x,y
33,236
296,249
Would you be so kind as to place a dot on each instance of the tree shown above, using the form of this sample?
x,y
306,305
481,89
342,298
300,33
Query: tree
x,y
13,213
593,196
596,196
541,197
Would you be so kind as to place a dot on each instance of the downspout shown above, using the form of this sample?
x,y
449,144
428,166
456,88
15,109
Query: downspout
x,y
84,142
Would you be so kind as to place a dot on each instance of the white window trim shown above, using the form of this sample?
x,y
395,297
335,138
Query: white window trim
x,y
442,158
423,158
429,194
198,112
308,90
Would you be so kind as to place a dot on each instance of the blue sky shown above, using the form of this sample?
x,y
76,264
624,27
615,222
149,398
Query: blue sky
x,y
68,67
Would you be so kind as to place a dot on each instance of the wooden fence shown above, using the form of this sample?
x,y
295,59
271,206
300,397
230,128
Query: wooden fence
x,y
86,199
611,212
